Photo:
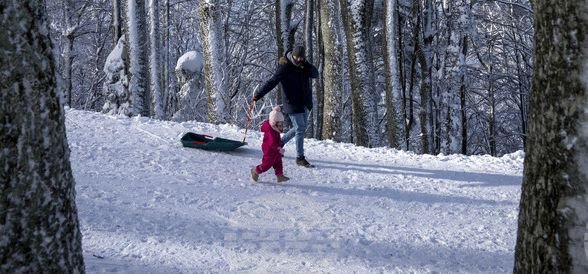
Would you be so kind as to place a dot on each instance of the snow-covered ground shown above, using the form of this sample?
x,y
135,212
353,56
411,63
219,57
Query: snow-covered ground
x,y
148,205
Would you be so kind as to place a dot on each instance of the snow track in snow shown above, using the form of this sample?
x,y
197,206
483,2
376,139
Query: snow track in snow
x,y
148,205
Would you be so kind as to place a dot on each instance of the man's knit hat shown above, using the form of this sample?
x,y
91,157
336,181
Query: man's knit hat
x,y
298,51
276,115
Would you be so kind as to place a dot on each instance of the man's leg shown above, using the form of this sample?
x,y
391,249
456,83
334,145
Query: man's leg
x,y
300,130
294,118
289,134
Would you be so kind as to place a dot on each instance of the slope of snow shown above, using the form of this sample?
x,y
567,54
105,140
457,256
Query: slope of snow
x,y
146,204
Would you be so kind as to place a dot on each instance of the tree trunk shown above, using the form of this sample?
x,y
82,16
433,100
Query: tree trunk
x,y
213,46
170,97
309,19
319,60
284,34
410,98
364,107
67,68
155,60
492,114
116,21
138,58
73,14
333,86
391,70
554,199
39,229
462,97
425,60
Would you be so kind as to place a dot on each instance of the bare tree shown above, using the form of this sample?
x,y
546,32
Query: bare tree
x,y
40,231
554,208
462,78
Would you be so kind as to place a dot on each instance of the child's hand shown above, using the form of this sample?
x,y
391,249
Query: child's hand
x,y
281,150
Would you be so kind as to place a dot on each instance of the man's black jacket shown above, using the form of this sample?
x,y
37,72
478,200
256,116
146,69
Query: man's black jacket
x,y
295,83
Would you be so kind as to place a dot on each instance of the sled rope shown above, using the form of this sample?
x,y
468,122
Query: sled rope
x,y
248,118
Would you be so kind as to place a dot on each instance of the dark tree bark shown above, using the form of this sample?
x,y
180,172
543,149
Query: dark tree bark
x,y
391,71
357,17
117,21
553,208
284,33
424,55
39,230
462,99
139,85
332,68
319,62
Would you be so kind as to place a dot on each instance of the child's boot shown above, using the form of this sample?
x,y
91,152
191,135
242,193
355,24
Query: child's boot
x,y
282,178
254,175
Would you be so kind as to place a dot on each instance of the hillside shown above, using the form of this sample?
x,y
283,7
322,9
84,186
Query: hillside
x,y
146,204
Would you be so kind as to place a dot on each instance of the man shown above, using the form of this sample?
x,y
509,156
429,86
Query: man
x,y
293,75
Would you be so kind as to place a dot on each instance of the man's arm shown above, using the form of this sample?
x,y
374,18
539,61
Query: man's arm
x,y
269,84
312,71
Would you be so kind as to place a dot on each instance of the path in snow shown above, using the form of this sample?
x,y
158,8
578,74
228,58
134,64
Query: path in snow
x,y
146,204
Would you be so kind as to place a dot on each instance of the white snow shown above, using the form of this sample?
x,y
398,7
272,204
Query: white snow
x,y
191,62
146,204
114,62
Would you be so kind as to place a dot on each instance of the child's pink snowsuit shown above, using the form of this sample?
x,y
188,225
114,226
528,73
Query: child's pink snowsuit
x,y
271,150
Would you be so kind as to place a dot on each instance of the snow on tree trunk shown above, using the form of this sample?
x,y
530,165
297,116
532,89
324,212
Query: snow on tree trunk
x,y
449,97
332,84
357,18
284,33
115,90
155,60
137,43
39,229
189,72
392,75
213,46
287,30
554,200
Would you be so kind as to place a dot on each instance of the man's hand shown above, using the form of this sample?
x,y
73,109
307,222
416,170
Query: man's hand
x,y
256,98
281,150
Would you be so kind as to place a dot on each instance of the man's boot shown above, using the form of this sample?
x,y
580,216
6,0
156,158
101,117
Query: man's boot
x,y
301,161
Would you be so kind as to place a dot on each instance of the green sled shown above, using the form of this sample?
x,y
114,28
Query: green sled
x,y
206,142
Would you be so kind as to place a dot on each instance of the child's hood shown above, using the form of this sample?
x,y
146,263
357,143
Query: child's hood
x,y
266,127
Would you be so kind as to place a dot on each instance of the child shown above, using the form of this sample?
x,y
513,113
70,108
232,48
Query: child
x,y
271,146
